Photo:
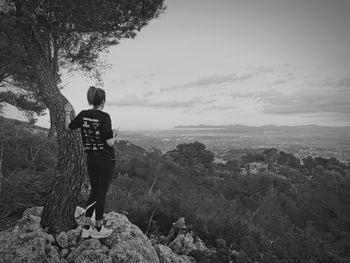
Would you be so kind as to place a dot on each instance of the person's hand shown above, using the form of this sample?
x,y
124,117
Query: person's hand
x,y
115,132
68,108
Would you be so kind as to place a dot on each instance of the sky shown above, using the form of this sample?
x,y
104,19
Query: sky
x,y
248,62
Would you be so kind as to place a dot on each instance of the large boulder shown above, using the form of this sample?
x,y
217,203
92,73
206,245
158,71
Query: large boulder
x,y
87,249
199,245
166,255
91,256
35,211
74,235
127,242
27,242
62,239
182,244
29,223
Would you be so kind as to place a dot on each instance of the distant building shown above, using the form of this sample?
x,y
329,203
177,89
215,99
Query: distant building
x,y
254,168
243,171
219,160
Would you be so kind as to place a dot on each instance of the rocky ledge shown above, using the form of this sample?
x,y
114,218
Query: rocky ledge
x,y
28,242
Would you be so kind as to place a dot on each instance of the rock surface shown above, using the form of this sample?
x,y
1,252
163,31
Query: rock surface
x,y
128,243
74,235
182,244
166,255
199,246
90,246
28,242
62,239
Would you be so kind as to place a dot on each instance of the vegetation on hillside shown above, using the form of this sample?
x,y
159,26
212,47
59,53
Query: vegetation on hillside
x,y
293,211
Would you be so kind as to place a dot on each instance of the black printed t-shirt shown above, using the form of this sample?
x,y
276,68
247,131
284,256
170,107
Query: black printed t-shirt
x,y
95,128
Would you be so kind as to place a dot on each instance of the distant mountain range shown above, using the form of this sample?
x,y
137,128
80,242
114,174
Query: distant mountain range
x,y
273,128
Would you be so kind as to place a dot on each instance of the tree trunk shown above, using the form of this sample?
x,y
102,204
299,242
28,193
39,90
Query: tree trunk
x,y
52,127
150,222
61,203
1,174
151,188
60,206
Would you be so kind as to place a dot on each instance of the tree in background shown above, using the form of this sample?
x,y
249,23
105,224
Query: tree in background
x,y
3,142
81,31
288,159
192,153
25,102
18,77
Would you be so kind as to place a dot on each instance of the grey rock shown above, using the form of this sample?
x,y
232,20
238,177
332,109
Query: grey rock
x,y
89,244
199,246
93,256
35,211
166,255
182,244
28,242
127,242
27,247
64,252
29,223
74,235
62,239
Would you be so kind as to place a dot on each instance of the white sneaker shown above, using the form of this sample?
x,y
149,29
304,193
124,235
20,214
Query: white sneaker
x,y
85,233
104,232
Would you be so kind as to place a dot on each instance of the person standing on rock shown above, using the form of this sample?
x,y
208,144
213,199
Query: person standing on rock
x,y
98,139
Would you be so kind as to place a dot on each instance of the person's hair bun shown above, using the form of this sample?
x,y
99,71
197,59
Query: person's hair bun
x,y
95,96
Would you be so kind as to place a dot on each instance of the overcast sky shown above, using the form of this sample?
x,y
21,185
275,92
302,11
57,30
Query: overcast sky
x,y
283,62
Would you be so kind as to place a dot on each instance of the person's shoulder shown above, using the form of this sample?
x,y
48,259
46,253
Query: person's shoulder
x,y
105,114
101,115
83,113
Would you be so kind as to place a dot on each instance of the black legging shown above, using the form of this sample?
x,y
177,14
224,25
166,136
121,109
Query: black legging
x,y
100,169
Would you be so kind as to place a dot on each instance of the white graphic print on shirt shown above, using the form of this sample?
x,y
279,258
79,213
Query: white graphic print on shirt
x,y
92,139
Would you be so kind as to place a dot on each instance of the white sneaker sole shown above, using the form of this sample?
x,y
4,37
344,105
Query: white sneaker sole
x,y
100,236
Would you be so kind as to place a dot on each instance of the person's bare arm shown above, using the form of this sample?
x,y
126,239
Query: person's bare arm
x,y
110,142
68,109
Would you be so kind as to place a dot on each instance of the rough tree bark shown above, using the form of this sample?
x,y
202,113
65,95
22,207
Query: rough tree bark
x,y
59,208
1,174
52,127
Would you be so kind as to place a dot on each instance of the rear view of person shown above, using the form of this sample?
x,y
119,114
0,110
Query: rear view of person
x,y
98,139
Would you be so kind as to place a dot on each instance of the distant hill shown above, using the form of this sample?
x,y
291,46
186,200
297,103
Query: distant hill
x,y
267,128
32,128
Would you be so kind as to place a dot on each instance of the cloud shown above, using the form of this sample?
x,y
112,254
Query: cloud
x,y
243,94
149,94
225,78
308,101
135,101
263,69
259,95
175,104
319,97
278,82
221,107
218,79
209,101
344,82
211,80
130,101
340,82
